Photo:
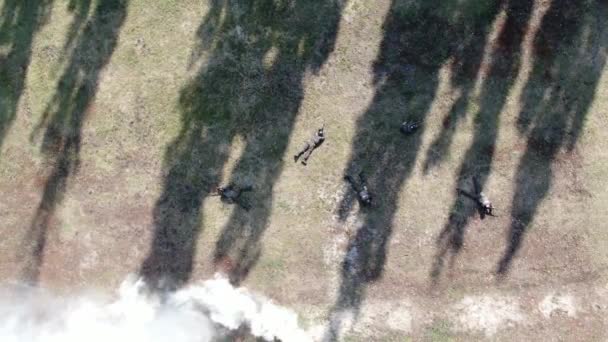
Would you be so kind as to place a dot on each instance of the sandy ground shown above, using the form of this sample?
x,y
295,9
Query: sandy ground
x,y
119,120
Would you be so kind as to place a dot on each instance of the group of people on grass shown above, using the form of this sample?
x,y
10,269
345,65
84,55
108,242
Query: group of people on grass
x,y
232,193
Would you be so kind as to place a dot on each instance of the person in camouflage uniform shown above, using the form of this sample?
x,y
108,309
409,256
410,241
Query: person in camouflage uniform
x,y
232,194
409,127
310,146
363,194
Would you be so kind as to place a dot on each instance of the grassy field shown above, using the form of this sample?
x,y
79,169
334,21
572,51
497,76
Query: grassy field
x,y
119,117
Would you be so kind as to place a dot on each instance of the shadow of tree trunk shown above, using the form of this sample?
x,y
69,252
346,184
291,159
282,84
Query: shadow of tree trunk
x,y
251,87
419,39
570,54
20,20
63,118
478,159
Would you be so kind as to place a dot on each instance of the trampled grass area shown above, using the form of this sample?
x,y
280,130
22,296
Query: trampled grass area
x,y
118,118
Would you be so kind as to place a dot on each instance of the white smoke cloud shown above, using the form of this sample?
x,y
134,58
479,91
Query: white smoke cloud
x,y
192,314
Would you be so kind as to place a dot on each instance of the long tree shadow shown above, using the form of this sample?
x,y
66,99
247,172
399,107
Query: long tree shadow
x,y
63,118
570,50
19,22
309,29
250,88
406,78
464,69
80,10
501,73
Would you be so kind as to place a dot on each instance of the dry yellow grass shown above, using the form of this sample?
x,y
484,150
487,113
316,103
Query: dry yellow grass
x,y
179,96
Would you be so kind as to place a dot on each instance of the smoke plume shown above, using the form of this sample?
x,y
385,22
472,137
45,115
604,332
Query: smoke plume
x,y
206,312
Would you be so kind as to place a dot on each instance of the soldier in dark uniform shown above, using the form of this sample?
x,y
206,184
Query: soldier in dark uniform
x,y
310,145
409,127
365,198
483,202
231,194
